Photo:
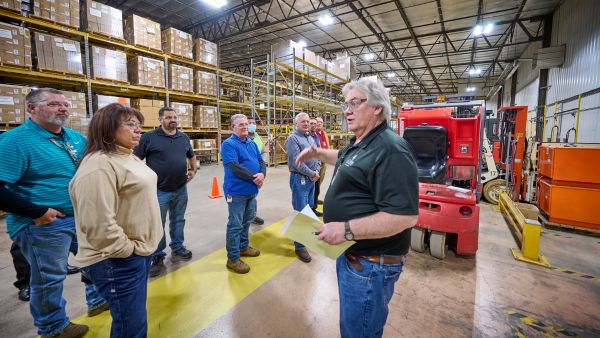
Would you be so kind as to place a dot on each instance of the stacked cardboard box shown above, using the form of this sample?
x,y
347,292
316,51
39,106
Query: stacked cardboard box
x,y
58,54
205,83
103,19
109,64
14,5
65,12
78,119
101,101
284,50
146,71
142,32
149,109
204,144
205,51
185,113
206,117
176,42
344,68
12,104
16,46
181,78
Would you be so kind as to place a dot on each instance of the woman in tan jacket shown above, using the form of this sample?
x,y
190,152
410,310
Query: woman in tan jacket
x,y
117,217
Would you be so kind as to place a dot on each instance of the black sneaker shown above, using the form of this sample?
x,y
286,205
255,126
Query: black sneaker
x,y
317,213
258,221
182,254
24,294
72,269
156,266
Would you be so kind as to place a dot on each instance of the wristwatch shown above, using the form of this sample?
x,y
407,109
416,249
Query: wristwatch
x,y
349,235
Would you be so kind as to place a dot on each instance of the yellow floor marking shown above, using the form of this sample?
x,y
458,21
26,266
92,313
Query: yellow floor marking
x,y
182,303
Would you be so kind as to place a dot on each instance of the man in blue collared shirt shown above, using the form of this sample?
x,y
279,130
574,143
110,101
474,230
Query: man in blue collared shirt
x,y
245,173
39,159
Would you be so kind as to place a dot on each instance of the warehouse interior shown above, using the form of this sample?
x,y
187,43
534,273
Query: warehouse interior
x,y
525,73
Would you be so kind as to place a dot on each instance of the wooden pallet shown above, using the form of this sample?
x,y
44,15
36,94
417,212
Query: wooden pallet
x,y
112,81
63,73
175,57
107,37
568,228
148,48
10,65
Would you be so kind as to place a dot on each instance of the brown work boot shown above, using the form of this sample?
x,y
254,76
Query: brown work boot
x,y
238,266
71,331
249,252
303,255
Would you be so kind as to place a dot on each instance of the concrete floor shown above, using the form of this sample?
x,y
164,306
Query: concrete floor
x,y
490,295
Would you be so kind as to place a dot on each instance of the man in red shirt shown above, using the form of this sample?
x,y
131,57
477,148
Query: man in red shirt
x,y
323,144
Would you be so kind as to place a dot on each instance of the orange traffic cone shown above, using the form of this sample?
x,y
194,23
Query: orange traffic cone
x,y
215,189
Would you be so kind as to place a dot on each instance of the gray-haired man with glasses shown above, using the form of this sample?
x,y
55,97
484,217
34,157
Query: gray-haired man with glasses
x,y
40,158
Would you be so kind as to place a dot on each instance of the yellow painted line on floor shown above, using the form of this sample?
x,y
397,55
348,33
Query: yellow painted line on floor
x,y
182,303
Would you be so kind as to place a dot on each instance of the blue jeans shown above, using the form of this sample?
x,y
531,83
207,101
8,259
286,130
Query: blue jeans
x,y
303,193
175,202
242,210
46,248
364,296
123,283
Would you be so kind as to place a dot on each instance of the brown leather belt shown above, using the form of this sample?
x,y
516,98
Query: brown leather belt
x,y
354,260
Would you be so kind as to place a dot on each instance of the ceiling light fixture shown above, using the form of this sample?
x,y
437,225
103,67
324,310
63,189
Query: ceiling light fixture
x,y
326,20
369,57
480,30
301,44
215,3
391,74
471,89
474,71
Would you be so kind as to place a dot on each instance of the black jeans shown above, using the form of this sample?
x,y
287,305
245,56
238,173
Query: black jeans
x,y
21,266
317,192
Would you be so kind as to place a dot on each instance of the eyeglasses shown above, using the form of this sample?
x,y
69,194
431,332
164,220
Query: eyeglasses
x,y
352,104
56,104
132,125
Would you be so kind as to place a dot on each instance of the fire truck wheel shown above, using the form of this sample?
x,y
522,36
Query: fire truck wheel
x,y
492,190
437,244
417,239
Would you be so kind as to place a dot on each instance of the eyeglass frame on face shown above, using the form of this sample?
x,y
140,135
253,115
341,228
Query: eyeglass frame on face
x,y
131,125
353,104
56,104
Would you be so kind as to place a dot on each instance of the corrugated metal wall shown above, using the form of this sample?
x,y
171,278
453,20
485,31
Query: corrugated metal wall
x,y
577,26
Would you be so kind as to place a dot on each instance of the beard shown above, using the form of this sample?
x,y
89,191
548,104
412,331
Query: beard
x,y
54,120
170,125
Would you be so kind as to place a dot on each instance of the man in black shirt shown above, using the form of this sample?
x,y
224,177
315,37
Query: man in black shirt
x,y
373,200
168,152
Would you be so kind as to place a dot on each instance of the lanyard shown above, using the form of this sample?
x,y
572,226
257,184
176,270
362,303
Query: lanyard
x,y
68,148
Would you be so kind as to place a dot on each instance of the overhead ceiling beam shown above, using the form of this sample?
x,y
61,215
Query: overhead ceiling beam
x,y
415,39
385,44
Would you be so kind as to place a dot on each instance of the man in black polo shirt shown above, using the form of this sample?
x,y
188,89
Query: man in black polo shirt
x,y
168,152
373,199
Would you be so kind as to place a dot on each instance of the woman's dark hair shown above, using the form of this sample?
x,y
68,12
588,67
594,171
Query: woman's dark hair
x,y
104,125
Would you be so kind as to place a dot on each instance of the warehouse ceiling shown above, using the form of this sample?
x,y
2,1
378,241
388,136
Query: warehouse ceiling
x,y
417,47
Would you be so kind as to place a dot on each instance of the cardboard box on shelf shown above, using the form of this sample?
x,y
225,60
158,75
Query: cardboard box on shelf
x,y
100,101
65,12
181,78
206,117
109,64
205,51
204,144
103,19
78,103
146,71
12,104
144,32
149,109
205,83
344,68
284,50
58,54
16,42
176,42
185,113
14,5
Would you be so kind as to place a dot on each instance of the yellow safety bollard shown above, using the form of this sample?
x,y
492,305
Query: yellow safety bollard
x,y
527,232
